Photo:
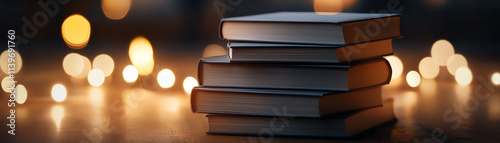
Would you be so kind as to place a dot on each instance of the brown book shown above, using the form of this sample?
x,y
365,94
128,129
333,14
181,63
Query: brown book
x,y
301,53
220,72
310,28
299,103
343,125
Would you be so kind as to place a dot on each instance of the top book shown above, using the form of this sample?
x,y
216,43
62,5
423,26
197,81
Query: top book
x,y
310,28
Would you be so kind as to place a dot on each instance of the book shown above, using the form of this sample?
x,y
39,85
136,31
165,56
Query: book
x,y
343,125
310,28
220,72
298,103
301,53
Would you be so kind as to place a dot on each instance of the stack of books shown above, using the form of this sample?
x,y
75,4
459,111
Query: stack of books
x,y
298,74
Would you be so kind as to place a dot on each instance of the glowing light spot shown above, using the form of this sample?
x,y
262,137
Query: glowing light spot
x,y
130,74
21,94
115,9
166,78
441,51
105,63
495,78
189,83
327,6
57,114
396,66
428,68
76,31
73,64
86,68
413,78
6,83
463,76
59,93
454,62
141,55
213,50
96,77
4,57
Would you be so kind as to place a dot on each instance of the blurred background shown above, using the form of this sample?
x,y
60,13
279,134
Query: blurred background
x,y
180,30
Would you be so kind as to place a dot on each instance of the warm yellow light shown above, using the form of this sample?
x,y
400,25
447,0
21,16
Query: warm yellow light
x,y
327,6
7,82
166,78
189,83
87,66
441,51
21,94
57,114
96,77
130,74
495,78
4,63
213,50
105,63
428,87
428,68
115,9
396,66
59,92
454,62
96,95
73,64
141,55
76,31
413,78
463,76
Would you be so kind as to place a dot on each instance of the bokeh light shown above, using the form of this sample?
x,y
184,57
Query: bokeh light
x,y
7,82
189,83
213,50
454,62
130,74
87,66
105,63
327,6
166,78
495,78
141,55
441,51
413,78
396,66
428,68
4,61
76,31
115,9
96,77
73,64
463,76
59,92
21,94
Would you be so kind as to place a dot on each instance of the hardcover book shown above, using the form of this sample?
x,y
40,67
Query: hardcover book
x,y
300,103
344,125
220,72
310,28
301,53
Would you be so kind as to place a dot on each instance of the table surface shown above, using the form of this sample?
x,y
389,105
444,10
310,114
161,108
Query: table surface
x,y
135,114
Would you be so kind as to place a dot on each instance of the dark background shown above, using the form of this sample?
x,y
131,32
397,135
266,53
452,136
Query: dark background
x,y
179,30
